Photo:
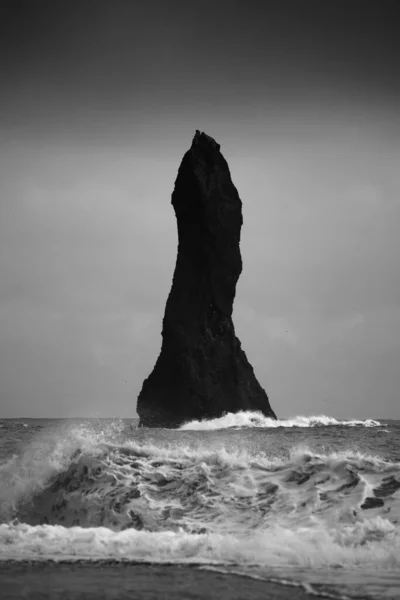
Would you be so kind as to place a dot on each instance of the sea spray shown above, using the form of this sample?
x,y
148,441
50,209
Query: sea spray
x,y
297,500
256,419
373,544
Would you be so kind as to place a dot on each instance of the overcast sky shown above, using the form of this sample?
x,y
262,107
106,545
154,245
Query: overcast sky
x,y
100,100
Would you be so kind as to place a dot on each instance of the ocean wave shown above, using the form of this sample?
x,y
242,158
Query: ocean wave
x,y
24,475
94,482
93,495
257,419
373,543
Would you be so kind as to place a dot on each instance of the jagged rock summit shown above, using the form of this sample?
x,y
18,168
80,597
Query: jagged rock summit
x,y
202,371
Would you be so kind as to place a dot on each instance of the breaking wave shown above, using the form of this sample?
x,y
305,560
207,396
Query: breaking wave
x,y
372,543
257,419
85,496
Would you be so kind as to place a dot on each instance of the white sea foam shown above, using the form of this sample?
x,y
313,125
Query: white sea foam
x,y
89,494
372,543
26,474
257,419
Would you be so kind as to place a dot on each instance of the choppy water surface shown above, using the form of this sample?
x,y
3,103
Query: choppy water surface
x,y
310,500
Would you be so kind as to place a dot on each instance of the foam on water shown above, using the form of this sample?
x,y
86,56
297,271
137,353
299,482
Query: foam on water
x,y
94,495
318,547
257,419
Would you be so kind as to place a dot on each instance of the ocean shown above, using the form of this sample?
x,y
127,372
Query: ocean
x,y
308,505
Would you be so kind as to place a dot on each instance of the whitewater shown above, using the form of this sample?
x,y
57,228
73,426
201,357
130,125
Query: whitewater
x,y
307,501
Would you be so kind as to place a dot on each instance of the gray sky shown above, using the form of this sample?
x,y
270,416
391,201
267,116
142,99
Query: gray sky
x,y
99,102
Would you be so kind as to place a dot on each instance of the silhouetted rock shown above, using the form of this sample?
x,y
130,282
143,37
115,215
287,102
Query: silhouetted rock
x,y
202,372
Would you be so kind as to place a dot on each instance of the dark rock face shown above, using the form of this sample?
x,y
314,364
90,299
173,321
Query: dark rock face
x,y
202,372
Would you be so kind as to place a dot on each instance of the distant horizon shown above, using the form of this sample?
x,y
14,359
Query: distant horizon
x,y
283,418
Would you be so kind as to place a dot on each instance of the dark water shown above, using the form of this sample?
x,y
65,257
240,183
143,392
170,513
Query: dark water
x,y
309,500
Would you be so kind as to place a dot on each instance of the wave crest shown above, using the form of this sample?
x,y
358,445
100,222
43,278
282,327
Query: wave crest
x,y
189,498
257,419
147,487
279,547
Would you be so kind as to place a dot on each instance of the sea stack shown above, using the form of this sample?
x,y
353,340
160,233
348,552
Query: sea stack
x,y
202,371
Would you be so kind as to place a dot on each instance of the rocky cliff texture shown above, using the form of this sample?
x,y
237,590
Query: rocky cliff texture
x,y
202,371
